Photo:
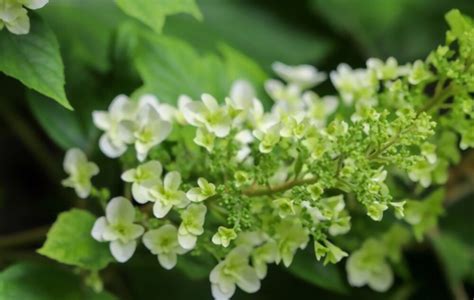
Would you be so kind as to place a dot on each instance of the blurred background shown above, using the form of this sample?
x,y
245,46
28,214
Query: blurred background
x,y
34,134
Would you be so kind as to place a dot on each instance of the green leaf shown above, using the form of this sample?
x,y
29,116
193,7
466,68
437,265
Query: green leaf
x,y
34,59
154,12
169,67
63,127
84,29
70,242
456,256
251,29
28,281
306,267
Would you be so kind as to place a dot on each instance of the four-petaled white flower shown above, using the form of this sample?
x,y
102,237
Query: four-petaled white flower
x,y
269,135
234,270
205,138
143,177
80,171
163,242
207,113
304,76
369,266
224,236
15,17
118,228
192,225
201,193
167,194
118,124
151,130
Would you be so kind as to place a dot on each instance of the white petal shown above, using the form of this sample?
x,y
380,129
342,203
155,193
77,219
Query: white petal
x,y
122,251
168,260
129,175
164,129
382,280
172,181
34,4
118,105
149,99
98,229
120,210
141,193
168,112
109,148
242,93
187,241
210,102
222,129
194,195
191,112
101,119
248,280
218,294
73,158
20,25
160,210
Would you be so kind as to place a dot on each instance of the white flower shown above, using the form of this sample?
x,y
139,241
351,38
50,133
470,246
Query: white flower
x,y
224,236
368,266
201,193
304,76
319,109
354,84
143,177
80,171
208,114
205,139
118,228
263,255
192,225
286,97
15,17
170,113
242,94
291,235
269,135
332,253
151,130
118,124
167,194
163,242
232,271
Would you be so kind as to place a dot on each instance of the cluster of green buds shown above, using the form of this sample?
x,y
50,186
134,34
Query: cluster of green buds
x,y
253,186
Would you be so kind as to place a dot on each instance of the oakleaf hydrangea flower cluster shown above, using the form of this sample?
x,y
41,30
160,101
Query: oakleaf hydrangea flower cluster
x,y
14,16
252,187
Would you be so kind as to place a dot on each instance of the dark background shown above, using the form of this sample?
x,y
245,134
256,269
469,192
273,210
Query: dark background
x,y
321,32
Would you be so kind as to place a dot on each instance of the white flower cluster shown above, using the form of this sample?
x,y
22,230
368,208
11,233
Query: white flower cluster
x,y
15,17
298,114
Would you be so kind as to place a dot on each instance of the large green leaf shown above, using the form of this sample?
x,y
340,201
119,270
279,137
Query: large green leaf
x,y
170,67
70,242
306,267
154,12
27,281
34,59
251,29
64,127
84,29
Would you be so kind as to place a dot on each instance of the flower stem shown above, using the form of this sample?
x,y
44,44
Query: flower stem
x,y
25,237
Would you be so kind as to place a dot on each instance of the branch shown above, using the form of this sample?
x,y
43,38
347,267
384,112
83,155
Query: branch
x,y
25,237
262,190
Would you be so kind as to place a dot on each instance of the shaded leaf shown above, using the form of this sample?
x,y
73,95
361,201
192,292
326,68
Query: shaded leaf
x,y
70,242
154,12
34,59
28,281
